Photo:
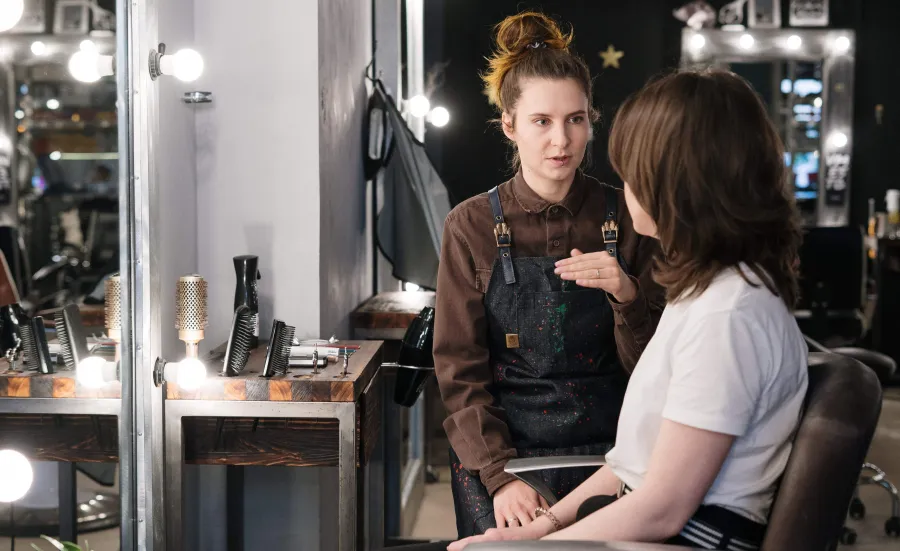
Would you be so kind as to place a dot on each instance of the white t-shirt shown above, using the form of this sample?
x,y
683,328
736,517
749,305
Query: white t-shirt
x,y
732,361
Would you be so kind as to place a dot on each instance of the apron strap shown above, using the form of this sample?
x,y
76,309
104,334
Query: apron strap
x,y
503,237
611,226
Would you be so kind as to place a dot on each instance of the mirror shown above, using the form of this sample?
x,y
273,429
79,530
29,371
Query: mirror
x,y
59,234
805,78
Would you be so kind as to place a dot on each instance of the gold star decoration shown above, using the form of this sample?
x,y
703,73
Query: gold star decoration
x,y
611,57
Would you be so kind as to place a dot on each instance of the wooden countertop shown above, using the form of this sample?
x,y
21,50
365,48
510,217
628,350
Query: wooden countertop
x,y
92,315
299,385
62,384
386,316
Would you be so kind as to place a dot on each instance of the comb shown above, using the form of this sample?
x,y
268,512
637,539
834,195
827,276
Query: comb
x,y
34,343
238,350
279,351
71,336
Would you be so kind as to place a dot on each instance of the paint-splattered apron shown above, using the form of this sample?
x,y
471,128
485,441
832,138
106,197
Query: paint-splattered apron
x,y
556,372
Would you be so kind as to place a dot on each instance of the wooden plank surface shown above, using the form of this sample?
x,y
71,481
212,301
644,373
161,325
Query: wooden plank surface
x,y
299,385
392,310
62,437
92,315
62,384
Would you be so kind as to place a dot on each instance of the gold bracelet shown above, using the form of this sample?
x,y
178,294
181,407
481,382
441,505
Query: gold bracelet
x,y
541,512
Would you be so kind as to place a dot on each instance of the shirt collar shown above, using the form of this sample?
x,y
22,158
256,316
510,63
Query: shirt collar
x,y
533,203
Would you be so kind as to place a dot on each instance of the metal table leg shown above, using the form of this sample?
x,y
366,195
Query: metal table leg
x,y
347,493
68,501
174,491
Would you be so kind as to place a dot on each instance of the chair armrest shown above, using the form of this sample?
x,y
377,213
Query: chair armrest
x,y
573,546
528,470
528,464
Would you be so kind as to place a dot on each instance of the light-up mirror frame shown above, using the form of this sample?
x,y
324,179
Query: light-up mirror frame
x,y
721,47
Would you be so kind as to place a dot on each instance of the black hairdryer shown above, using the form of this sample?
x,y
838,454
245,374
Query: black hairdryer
x,y
416,362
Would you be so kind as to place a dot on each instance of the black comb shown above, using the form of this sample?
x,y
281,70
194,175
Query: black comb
x,y
279,351
34,343
238,350
71,336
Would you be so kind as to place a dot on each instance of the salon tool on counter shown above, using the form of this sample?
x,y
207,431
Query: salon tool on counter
x,y
346,363
279,351
71,336
190,312
34,343
246,290
112,310
237,352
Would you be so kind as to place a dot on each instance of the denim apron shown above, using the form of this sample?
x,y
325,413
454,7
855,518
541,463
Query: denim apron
x,y
555,368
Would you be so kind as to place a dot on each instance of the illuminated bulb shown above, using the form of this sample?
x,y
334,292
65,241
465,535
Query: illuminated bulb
x,y
10,13
746,41
817,102
841,45
38,48
55,156
20,114
838,139
89,371
88,46
794,42
86,65
698,41
52,103
16,476
186,65
410,286
440,116
191,374
419,106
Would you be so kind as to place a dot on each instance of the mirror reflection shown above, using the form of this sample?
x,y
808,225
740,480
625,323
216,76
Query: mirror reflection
x,y
59,238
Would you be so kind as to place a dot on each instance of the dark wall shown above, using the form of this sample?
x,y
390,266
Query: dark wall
x,y
472,155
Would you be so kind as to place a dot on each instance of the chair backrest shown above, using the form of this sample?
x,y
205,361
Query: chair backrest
x,y
843,403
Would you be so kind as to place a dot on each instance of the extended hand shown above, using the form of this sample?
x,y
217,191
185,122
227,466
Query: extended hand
x,y
598,270
514,504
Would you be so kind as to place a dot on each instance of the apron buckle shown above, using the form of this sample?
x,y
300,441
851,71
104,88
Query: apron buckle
x,y
610,232
502,235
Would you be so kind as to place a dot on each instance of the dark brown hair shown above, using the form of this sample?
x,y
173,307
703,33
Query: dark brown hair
x,y
532,45
703,159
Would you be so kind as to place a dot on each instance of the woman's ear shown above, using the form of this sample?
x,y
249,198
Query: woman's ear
x,y
506,121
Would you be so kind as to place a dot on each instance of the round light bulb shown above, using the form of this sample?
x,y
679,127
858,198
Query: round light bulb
x,y
794,42
87,45
20,114
52,103
16,476
419,106
188,65
89,371
440,117
818,102
10,13
55,156
410,286
191,374
746,41
841,45
698,41
83,65
38,48
838,139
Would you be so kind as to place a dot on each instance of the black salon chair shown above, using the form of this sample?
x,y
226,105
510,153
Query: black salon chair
x,y
842,407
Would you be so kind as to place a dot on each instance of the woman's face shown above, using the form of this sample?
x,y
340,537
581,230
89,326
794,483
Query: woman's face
x,y
550,127
641,221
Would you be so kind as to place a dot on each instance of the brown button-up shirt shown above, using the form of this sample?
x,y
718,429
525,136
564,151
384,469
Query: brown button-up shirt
x,y
476,425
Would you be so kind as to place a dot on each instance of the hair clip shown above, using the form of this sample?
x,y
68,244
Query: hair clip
x,y
537,44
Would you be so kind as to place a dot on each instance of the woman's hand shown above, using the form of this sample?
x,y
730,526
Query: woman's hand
x,y
598,270
534,531
514,504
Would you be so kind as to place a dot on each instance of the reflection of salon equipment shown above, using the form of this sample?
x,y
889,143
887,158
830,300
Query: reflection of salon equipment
x,y
832,286
842,408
